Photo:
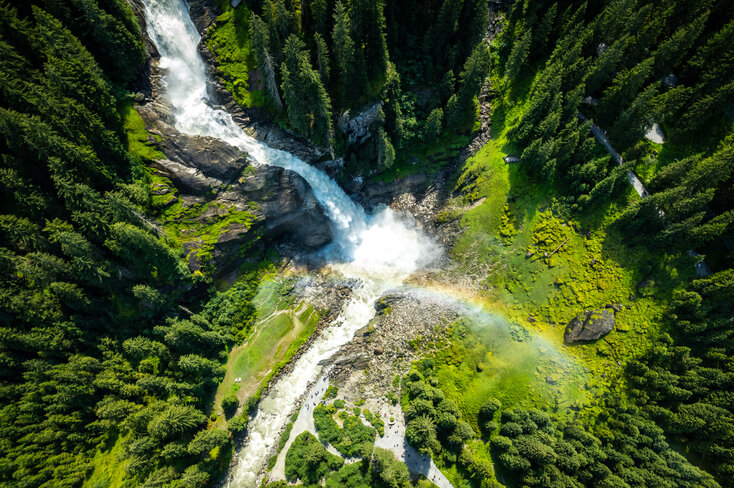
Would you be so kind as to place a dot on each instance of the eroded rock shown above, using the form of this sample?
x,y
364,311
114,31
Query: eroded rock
x,y
274,202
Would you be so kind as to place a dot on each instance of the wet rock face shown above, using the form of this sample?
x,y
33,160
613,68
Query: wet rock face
x,y
589,326
205,169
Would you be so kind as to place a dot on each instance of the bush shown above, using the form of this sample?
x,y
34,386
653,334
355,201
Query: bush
x,y
309,461
230,404
238,424
392,397
487,411
356,438
378,424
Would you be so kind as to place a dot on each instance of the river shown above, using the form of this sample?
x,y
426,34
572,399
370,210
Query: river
x,y
380,250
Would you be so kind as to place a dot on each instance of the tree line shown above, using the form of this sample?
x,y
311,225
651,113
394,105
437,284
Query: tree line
x,y
94,350
521,447
320,59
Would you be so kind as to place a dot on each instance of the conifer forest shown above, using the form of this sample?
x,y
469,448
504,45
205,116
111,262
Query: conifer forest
x,y
367,243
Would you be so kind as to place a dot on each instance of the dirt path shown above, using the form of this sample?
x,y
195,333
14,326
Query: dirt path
x,y
394,440
602,137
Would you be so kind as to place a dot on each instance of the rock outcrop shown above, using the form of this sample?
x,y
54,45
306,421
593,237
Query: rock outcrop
x,y
589,326
278,202
357,129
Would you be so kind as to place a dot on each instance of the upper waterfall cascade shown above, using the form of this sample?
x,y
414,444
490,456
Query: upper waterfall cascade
x,y
380,250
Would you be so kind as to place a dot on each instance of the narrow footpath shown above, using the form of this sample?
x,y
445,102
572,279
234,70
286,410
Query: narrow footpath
x,y
602,137
393,440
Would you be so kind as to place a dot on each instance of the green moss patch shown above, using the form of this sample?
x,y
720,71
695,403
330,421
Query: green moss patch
x,y
229,40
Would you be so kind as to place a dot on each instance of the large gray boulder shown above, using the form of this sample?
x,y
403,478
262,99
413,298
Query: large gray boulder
x,y
589,326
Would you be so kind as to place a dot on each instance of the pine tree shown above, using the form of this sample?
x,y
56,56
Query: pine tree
x,y
473,75
518,55
672,52
474,21
322,58
606,65
368,32
543,30
437,37
624,88
260,42
433,125
452,113
308,104
320,15
385,149
343,52
634,121
392,107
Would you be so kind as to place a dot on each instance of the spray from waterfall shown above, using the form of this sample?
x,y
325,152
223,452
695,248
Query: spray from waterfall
x,y
379,250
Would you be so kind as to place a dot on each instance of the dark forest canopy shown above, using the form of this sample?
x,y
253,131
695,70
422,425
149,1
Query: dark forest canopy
x,y
95,350
91,345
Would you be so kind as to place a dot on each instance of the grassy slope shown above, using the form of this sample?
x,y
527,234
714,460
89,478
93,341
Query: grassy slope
x,y
229,40
282,327
510,221
107,470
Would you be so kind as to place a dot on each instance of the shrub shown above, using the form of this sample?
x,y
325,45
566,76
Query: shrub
x,y
238,424
309,461
230,404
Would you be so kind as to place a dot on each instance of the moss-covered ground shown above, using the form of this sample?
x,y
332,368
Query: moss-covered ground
x,y
137,137
546,265
229,40
281,327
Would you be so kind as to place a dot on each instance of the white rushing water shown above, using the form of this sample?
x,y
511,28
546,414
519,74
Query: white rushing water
x,y
381,250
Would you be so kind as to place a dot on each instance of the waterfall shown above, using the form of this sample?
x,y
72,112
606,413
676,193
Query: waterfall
x,y
379,250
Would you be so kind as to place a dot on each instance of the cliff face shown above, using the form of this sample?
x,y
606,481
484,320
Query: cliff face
x,y
267,203
230,209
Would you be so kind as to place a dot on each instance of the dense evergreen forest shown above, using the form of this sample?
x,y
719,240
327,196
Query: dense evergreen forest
x,y
92,343
101,356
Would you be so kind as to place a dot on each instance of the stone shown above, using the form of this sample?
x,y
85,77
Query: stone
x,y
358,128
217,159
614,306
185,179
204,169
357,361
511,159
646,288
386,302
589,326
378,350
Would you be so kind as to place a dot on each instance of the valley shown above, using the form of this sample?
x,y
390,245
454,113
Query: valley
x,y
366,244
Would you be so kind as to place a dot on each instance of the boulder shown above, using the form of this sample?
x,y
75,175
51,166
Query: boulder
x,y
186,179
589,326
358,128
387,302
212,156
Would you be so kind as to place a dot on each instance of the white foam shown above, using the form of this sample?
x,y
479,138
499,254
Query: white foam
x,y
381,250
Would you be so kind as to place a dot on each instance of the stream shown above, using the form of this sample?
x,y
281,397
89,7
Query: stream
x,y
379,250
